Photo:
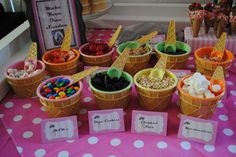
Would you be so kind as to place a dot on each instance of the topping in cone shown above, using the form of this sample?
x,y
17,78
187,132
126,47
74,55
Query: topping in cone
x,y
218,51
170,43
83,74
146,38
67,39
114,37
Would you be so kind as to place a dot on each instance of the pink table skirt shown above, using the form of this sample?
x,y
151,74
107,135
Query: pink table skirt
x,y
22,119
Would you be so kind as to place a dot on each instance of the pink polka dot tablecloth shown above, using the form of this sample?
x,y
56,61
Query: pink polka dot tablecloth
x,y
22,117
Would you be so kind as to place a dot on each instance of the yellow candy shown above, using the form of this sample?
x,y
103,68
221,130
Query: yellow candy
x,y
62,94
57,97
76,88
55,89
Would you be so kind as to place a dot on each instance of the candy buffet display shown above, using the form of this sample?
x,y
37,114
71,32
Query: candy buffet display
x,y
118,76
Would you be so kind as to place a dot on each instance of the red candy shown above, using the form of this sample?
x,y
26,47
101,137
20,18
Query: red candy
x,y
96,48
58,56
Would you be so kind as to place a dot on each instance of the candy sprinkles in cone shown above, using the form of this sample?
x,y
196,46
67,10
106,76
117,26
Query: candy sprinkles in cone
x,y
177,52
111,88
208,58
25,76
196,15
155,86
64,60
199,94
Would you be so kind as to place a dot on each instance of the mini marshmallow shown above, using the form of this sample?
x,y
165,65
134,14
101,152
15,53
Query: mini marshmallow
x,y
197,86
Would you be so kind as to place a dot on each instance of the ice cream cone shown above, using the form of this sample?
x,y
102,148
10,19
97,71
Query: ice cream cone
x,y
218,73
196,26
208,24
32,53
67,39
220,24
220,45
161,64
171,35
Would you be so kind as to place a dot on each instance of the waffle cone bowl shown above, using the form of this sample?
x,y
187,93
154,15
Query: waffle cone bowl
x,y
151,99
197,107
174,61
101,60
113,99
66,68
62,107
207,68
136,63
25,87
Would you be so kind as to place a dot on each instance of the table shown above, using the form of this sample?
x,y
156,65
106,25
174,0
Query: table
x,y
22,117
204,40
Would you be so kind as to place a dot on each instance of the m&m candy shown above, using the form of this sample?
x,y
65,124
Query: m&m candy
x,y
56,89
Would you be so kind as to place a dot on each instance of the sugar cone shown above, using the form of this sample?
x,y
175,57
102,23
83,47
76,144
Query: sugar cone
x,y
219,28
121,60
32,53
67,39
83,74
146,38
115,36
208,23
161,64
196,26
171,35
218,73
220,45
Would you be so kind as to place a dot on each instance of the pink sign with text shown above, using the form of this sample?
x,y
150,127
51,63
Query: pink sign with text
x,y
198,130
104,121
59,129
146,122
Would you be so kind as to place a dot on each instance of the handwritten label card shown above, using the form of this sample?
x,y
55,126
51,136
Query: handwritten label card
x,y
59,129
149,122
198,130
181,73
104,121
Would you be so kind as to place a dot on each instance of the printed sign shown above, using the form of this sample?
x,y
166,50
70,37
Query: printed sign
x,y
104,121
149,122
59,129
181,73
198,130
51,18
